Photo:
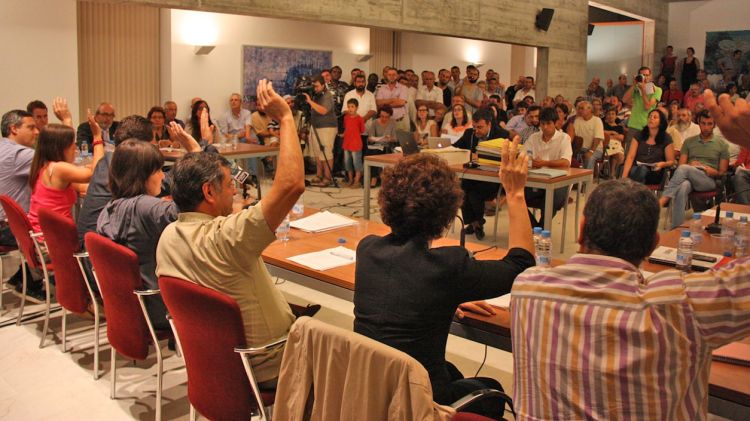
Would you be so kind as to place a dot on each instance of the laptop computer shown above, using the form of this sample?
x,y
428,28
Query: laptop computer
x,y
438,142
407,142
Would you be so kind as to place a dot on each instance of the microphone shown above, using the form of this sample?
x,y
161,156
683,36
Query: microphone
x,y
715,227
462,240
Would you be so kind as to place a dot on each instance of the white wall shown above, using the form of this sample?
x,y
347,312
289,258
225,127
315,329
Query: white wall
x,y
614,50
432,52
690,20
40,53
215,76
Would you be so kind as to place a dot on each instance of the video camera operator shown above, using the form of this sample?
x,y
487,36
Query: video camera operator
x,y
324,130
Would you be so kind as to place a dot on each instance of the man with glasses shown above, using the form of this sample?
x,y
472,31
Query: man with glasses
x,y
105,117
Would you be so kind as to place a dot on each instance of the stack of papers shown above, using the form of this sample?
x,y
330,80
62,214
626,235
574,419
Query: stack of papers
x,y
326,259
668,256
502,301
547,172
322,221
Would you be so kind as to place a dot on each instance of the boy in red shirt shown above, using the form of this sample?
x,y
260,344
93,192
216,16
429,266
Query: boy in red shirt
x,y
354,126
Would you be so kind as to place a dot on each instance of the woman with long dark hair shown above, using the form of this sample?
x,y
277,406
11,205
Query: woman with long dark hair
x,y
54,179
200,125
651,151
158,118
459,121
689,70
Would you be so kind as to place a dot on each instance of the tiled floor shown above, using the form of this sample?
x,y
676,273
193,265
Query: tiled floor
x,y
39,384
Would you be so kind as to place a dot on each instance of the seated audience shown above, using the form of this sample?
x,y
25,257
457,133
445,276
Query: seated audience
x,y
651,152
225,248
135,218
105,118
54,179
673,93
477,192
703,159
200,116
531,122
693,97
39,111
170,111
614,135
597,108
562,117
424,126
236,120
634,348
458,122
549,148
526,91
157,117
685,125
741,179
382,131
518,122
406,292
590,130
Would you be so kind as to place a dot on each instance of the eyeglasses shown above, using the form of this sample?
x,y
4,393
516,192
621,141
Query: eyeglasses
x,y
106,114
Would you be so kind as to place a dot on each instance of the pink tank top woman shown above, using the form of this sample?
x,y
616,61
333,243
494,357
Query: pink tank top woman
x,y
44,197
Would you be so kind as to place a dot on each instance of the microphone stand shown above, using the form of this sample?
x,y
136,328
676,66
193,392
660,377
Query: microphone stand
x,y
715,227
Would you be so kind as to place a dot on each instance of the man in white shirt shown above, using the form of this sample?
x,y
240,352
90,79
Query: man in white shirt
x,y
590,129
366,99
396,95
549,148
455,78
429,95
685,124
236,121
527,90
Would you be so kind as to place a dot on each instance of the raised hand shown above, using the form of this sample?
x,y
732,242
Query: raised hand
x,y
514,169
96,130
272,103
207,130
62,112
179,134
732,119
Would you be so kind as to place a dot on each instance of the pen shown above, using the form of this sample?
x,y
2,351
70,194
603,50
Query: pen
x,y
342,255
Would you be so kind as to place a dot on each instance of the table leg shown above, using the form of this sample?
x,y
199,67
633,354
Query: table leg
x,y
578,201
564,224
549,194
366,183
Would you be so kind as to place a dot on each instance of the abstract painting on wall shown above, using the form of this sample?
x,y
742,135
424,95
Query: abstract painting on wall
x,y
282,66
720,47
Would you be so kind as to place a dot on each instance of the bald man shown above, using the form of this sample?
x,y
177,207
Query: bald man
x,y
105,117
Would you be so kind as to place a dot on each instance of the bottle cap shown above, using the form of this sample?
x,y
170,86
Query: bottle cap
x,y
730,214
341,240
545,234
685,233
696,216
727,254
538,230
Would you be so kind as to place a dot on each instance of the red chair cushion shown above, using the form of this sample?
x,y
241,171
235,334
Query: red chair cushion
x,y
62,242
20,227
209,325
7,249
116,268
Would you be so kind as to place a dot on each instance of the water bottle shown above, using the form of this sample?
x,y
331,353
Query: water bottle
x,y
696,229
537,235
728,231
544,250
282,231
741,237
298,209
684,252
530,154
84,149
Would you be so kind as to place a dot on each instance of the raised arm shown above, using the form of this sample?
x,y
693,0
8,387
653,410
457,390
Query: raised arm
x,y
62,112
289,182
513,173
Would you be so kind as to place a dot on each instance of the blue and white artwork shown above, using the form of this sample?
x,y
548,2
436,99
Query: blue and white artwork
x,y
282,66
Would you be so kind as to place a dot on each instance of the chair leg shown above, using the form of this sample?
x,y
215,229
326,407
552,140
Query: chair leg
x,y
113,372
193,413
2,283
23,291
96,340
159,374
46,310
64,330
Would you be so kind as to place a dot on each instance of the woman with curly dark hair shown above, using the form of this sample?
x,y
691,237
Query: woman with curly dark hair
x,y
406,292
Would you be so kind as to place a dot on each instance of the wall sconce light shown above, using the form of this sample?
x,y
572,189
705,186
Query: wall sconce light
x,y
478,64
364,57
202,50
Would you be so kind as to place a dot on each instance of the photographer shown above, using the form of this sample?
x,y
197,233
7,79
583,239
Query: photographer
x,y
324,130
642,97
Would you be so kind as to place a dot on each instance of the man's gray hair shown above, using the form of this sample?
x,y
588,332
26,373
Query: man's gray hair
x,y
12,118
621,218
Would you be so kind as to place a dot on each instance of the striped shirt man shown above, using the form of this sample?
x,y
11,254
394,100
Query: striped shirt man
x,y
593,340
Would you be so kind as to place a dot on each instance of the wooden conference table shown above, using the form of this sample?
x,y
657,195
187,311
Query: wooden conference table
x,y
229,151
574,176
729,389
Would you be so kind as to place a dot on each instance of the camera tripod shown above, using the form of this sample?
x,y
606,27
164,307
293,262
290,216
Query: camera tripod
x,y
304,127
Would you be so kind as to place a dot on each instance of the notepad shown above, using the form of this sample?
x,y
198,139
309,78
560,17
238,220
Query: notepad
x,y
322,221
668,256
326,259
502,301
547,172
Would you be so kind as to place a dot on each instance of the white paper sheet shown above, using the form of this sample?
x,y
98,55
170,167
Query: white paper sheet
x,y
322,221
326,259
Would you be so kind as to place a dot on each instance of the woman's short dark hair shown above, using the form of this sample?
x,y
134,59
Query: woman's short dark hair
x,y
385,108
621,218
134,127
661,135
53,141
133,162
191,172
195,122
563,107
156,109
420,197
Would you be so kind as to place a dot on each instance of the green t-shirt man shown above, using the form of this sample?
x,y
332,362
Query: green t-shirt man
x,y
635,97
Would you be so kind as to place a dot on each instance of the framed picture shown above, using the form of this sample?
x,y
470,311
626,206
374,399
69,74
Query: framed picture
x,y
720,48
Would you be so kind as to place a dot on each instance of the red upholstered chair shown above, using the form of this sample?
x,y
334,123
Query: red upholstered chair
x,y
128,327
72,289
208,325
30,245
